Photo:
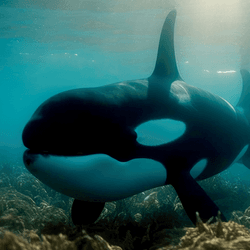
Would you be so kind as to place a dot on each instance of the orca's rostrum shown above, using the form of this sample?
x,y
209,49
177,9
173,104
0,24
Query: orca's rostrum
x,y
83,143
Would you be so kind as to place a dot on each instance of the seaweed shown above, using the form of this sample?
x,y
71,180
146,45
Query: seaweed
x,y
19,212
219,235
33,216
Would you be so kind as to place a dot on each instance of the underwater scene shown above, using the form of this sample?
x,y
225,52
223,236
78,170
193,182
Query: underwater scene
x,y
124,124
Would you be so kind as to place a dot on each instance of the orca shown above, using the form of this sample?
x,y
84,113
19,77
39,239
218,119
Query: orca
x,y
82,142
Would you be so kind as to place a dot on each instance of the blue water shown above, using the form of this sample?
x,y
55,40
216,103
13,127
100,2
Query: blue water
x,y
48,50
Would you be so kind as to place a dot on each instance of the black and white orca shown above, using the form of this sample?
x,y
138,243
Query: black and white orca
x,y
83,143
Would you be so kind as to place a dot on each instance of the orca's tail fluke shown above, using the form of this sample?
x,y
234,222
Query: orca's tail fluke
x,y
166,66
244,101
244,106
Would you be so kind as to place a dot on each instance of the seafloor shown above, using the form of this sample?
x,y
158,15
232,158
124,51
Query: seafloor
x,y
32,216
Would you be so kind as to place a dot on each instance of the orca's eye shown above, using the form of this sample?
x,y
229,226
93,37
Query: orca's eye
x,y
159,132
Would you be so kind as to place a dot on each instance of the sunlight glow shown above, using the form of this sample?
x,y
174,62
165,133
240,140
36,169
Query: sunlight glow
x,y
212,21
220,3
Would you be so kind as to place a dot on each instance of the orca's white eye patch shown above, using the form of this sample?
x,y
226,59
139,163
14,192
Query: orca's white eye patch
x,y
159,132
198,168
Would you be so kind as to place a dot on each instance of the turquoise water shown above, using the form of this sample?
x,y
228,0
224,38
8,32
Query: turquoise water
x,y
46,50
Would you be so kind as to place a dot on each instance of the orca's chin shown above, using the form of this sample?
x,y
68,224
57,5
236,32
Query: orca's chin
x,y
96,177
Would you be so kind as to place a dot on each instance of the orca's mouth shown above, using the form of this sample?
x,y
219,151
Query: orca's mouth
x,y
30,155
57,153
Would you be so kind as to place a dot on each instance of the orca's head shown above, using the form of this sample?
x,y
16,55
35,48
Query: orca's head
x,y
76,123
83,147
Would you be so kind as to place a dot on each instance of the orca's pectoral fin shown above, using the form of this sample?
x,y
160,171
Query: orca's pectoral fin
x,y
84,212
194,199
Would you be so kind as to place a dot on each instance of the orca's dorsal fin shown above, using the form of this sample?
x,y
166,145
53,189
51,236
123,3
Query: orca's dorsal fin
x,y
166,66
244,101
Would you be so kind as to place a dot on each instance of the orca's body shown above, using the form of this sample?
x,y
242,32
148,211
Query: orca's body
x,y
83,142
